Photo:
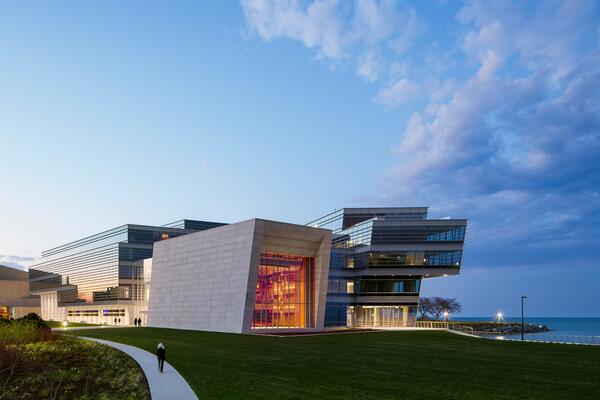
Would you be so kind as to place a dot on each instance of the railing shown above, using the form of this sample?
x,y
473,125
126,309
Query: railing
x,y
553,338
444,325
432,324
461,328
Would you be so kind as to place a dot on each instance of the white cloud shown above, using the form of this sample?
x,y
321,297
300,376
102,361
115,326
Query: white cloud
x,y
400,92
319,25
339,31
369,66
18,262
412,27
374,21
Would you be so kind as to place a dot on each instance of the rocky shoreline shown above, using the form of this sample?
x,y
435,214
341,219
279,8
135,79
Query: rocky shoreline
x,y
505,328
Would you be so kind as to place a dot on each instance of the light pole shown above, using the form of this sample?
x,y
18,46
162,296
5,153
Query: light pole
x,y
522,318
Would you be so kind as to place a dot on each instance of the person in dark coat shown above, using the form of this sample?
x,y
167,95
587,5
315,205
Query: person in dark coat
x,y
161,354
135,322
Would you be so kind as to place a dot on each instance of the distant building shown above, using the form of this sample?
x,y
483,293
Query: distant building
x,y
101,277
357,267
15,300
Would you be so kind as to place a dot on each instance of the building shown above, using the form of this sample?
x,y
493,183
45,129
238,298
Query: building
x,y
101,278
379,258
15,300
252,276
355,267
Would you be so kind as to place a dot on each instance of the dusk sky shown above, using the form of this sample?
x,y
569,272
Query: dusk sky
x,y
137,112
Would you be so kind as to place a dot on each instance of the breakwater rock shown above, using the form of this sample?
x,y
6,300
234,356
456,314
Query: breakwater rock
x,y
505,328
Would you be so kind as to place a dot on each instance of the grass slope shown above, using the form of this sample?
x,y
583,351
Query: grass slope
x,y
380,365
59,324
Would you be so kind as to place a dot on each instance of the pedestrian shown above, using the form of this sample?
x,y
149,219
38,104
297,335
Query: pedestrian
x,y
140,321
119,321
161,354
115,321
135,321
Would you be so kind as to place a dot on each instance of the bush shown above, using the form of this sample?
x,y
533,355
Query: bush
x,y
21,332
33,317
64,368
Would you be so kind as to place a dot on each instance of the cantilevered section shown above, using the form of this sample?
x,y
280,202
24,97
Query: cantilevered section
x,y
379,258
251,276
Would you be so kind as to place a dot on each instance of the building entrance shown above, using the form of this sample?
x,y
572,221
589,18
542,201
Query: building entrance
x,y
379,316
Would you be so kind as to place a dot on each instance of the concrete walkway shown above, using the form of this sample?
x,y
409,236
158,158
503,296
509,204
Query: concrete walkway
x,y
168,385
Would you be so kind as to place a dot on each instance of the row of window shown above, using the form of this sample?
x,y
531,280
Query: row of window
x,y
94,313
373,286
427,258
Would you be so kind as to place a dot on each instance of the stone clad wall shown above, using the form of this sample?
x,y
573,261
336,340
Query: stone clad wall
x,y
207,280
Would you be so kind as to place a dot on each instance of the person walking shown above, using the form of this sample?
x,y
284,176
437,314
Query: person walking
x,y
161,354
115,321
135,321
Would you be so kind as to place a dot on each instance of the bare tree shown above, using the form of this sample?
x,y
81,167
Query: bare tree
x,y
425,307
441,305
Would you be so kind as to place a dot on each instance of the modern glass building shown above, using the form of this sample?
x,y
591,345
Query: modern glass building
x,y
101,277
254,275
380,256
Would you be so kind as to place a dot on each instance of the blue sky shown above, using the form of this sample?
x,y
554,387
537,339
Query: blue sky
x,y
115,113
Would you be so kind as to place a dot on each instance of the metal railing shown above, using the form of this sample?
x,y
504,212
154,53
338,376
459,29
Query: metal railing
x,y
553,338
432,324
445,325
461,328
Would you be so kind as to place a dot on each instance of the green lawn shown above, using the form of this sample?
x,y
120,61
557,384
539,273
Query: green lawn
x,y
378,365
59,324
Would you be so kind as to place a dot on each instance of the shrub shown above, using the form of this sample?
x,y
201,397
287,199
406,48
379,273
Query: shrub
x,y
33,317
69,368
22,332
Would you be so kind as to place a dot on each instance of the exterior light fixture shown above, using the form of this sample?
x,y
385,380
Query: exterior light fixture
x,y
499,316
65,323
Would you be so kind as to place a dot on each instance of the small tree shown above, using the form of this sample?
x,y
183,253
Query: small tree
x,y
425,307
442,305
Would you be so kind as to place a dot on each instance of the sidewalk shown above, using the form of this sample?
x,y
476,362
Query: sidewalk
x,y
168,385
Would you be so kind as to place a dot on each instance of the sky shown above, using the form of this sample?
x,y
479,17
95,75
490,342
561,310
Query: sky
x,y
136,112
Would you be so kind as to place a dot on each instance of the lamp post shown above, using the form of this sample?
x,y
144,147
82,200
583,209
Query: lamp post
x,y
522,318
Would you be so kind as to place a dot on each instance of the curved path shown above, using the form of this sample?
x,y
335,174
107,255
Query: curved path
x,y
168,385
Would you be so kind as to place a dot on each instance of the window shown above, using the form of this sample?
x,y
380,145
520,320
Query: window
x,y
350,262
350,287
284,292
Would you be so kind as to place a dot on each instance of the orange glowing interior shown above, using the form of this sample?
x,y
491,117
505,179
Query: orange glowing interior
x,y
284,292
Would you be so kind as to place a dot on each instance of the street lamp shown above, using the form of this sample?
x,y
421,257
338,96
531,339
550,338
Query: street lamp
x,y
499,316
446,315
522,318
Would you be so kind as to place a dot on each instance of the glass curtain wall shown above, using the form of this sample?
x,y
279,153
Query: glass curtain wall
x,y
382,316
284,292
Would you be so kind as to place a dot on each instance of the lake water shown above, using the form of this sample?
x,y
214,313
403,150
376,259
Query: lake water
x,y
573,330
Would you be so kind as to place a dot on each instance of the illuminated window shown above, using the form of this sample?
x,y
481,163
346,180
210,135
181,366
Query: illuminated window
x,y
164,236
350,262
350,287
284,292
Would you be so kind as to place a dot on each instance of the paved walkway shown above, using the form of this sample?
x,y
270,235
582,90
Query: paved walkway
x,y
168,385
